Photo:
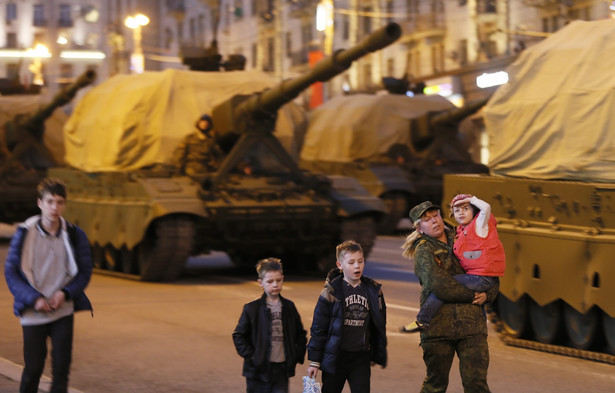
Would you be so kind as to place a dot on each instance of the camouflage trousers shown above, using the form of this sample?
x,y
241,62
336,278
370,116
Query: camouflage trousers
x,y
473,353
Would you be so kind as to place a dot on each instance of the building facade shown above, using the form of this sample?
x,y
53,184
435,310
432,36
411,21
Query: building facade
x,y
446,45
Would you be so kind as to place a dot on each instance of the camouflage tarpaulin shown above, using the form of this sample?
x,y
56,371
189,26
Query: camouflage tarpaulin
x,y
133,121
361,127
555,119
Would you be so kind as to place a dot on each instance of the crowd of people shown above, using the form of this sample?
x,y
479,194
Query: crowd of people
x,y
49,266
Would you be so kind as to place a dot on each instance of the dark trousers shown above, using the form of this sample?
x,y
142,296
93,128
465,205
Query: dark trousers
x,y
473,353
277,381
35,353
432,304
354,367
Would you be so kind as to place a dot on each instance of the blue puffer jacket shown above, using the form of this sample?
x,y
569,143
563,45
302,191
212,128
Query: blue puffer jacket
x,y
25,295
326,331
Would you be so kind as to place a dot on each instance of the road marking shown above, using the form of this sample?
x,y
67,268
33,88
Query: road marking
x,y
405,308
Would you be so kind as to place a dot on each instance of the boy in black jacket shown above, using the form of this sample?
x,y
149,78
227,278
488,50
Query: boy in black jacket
x,y
348,332
269,335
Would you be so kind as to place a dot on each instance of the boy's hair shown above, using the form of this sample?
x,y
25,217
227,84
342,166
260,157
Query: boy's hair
x,y
52,186
268,265
347,247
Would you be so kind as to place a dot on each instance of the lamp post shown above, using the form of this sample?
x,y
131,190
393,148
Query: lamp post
x,y
137,61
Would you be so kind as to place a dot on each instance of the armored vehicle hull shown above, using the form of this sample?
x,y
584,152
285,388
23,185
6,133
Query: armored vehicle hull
x,y
558,237
159,222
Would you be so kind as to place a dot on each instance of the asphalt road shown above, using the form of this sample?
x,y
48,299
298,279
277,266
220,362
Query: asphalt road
x,y
176,337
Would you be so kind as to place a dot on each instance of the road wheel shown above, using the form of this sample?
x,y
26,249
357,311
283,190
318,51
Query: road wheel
x,y
128,260
361,229
581,328
513,315
396,206
608,323
546,321
167,245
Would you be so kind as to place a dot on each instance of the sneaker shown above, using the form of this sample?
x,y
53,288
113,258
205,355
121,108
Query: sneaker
x,y
414,327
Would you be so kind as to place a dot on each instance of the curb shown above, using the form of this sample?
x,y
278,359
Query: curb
x,y
13,372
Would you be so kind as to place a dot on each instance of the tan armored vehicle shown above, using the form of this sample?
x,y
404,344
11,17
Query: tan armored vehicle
x,y
145,220
552,190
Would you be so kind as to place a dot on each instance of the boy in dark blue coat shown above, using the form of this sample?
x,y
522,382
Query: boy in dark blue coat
x,y
348,332
269,335
47,269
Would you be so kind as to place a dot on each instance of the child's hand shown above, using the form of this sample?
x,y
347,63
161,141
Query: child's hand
x,y
312,371
479,298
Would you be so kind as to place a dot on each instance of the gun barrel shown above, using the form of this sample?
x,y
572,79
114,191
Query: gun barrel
x,y
63,97
271,100
458,114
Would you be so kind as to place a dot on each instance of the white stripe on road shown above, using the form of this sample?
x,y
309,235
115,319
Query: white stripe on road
x,y
405,308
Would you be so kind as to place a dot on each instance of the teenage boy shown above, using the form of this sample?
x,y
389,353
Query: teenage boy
x,y
47,270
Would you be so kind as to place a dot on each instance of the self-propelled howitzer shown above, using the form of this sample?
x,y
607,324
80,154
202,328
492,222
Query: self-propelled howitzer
x,y
256,202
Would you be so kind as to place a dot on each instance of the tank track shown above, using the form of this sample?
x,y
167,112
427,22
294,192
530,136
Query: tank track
x,y
550,348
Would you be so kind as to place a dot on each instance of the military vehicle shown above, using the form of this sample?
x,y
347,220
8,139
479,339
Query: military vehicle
x,y
30,143
397,147
552,191
144,220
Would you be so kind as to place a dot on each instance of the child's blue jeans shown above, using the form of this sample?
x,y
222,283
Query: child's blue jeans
x,y
470,281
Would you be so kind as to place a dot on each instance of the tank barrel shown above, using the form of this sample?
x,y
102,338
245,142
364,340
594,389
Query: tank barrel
x,y
34,123
63,97
264,105
271,100
458,114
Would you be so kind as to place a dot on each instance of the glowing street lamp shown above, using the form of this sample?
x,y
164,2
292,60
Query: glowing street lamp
x,y
36,53
137,61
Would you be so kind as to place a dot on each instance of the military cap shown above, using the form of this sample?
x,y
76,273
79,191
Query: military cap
x,y
418,210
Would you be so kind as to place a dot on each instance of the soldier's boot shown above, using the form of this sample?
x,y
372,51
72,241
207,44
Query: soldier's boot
x,y
414,327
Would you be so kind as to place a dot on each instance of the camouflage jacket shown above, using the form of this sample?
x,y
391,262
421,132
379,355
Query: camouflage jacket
x,y
435,265
197,155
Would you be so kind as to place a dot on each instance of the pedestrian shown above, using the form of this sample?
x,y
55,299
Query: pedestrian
x,y
478,249
269,335
198,154
460,324
47,270
348,331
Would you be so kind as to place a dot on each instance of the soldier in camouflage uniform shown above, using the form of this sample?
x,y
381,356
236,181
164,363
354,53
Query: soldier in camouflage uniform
x,y
198,153
460,324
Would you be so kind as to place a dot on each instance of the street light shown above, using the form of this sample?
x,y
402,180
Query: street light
x,y
137,61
